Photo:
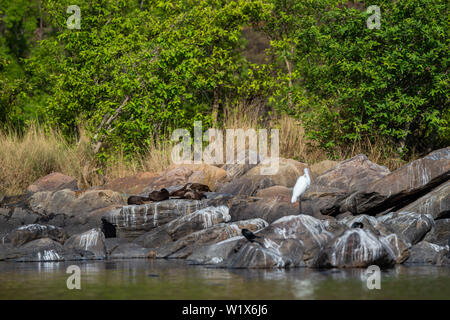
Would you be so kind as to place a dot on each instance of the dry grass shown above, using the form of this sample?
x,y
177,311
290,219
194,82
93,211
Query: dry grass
x,y
24,159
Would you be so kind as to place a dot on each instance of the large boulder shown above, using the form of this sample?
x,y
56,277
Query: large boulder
x,y
288,172
354,174
215,253
92,241
53,182
15,217
70,202
279,193
429,253
408,183
247,186
43,250
134,184
411,227
290,241
396,242
356,248
132,221
182,174
30,232
435,203
323,166
321,200
184,225
129,251
440,233
242,208
184,247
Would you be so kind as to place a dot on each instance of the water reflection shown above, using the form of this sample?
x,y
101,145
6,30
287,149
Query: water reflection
x,y
174,279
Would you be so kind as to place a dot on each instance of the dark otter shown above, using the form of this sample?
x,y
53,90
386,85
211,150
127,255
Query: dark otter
x,y
193,195
357,225
198,187
136,200
250,236
108,229
161,195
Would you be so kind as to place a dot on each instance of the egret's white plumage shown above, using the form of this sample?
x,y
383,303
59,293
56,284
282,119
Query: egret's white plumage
x,y
302,184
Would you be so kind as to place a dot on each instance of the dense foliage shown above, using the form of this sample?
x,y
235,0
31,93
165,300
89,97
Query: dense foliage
x,y
135,70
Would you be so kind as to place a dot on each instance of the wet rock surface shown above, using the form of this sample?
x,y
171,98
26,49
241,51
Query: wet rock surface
x,y
429,253
31,232
355,214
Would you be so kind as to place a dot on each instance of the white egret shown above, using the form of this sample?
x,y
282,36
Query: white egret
x,y
302,184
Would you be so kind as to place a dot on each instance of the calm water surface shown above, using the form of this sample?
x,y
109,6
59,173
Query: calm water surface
x,y
171,279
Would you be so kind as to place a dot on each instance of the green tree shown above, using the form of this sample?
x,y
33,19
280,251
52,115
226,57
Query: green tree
x,y
134,71
352,83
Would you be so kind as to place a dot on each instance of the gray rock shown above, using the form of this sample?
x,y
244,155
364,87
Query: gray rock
x,y
435,203
290,241
247,186
71,203
440,233
427,253
356,248
133,221
406,184
53,182
353,174
129,251
410,226
92,241
243,208
31,232
184,247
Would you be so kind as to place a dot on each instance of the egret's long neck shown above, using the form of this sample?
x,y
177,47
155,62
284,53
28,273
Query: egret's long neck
x,y
307,176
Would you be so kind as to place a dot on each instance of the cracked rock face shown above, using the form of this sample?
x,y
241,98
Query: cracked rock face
x,y
31,232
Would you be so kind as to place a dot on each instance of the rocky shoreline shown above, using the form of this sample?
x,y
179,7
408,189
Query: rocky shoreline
x,y
405,216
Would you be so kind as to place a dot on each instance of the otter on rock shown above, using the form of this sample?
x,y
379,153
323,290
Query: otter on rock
x,y
198,187
137,200
194,195
161,195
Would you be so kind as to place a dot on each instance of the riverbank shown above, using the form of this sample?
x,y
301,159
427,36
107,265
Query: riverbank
x,y
403,216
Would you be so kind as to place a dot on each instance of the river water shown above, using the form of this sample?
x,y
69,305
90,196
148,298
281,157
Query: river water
x,y
175,279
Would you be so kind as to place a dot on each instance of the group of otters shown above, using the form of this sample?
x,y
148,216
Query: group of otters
x,y
191,191
194,191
